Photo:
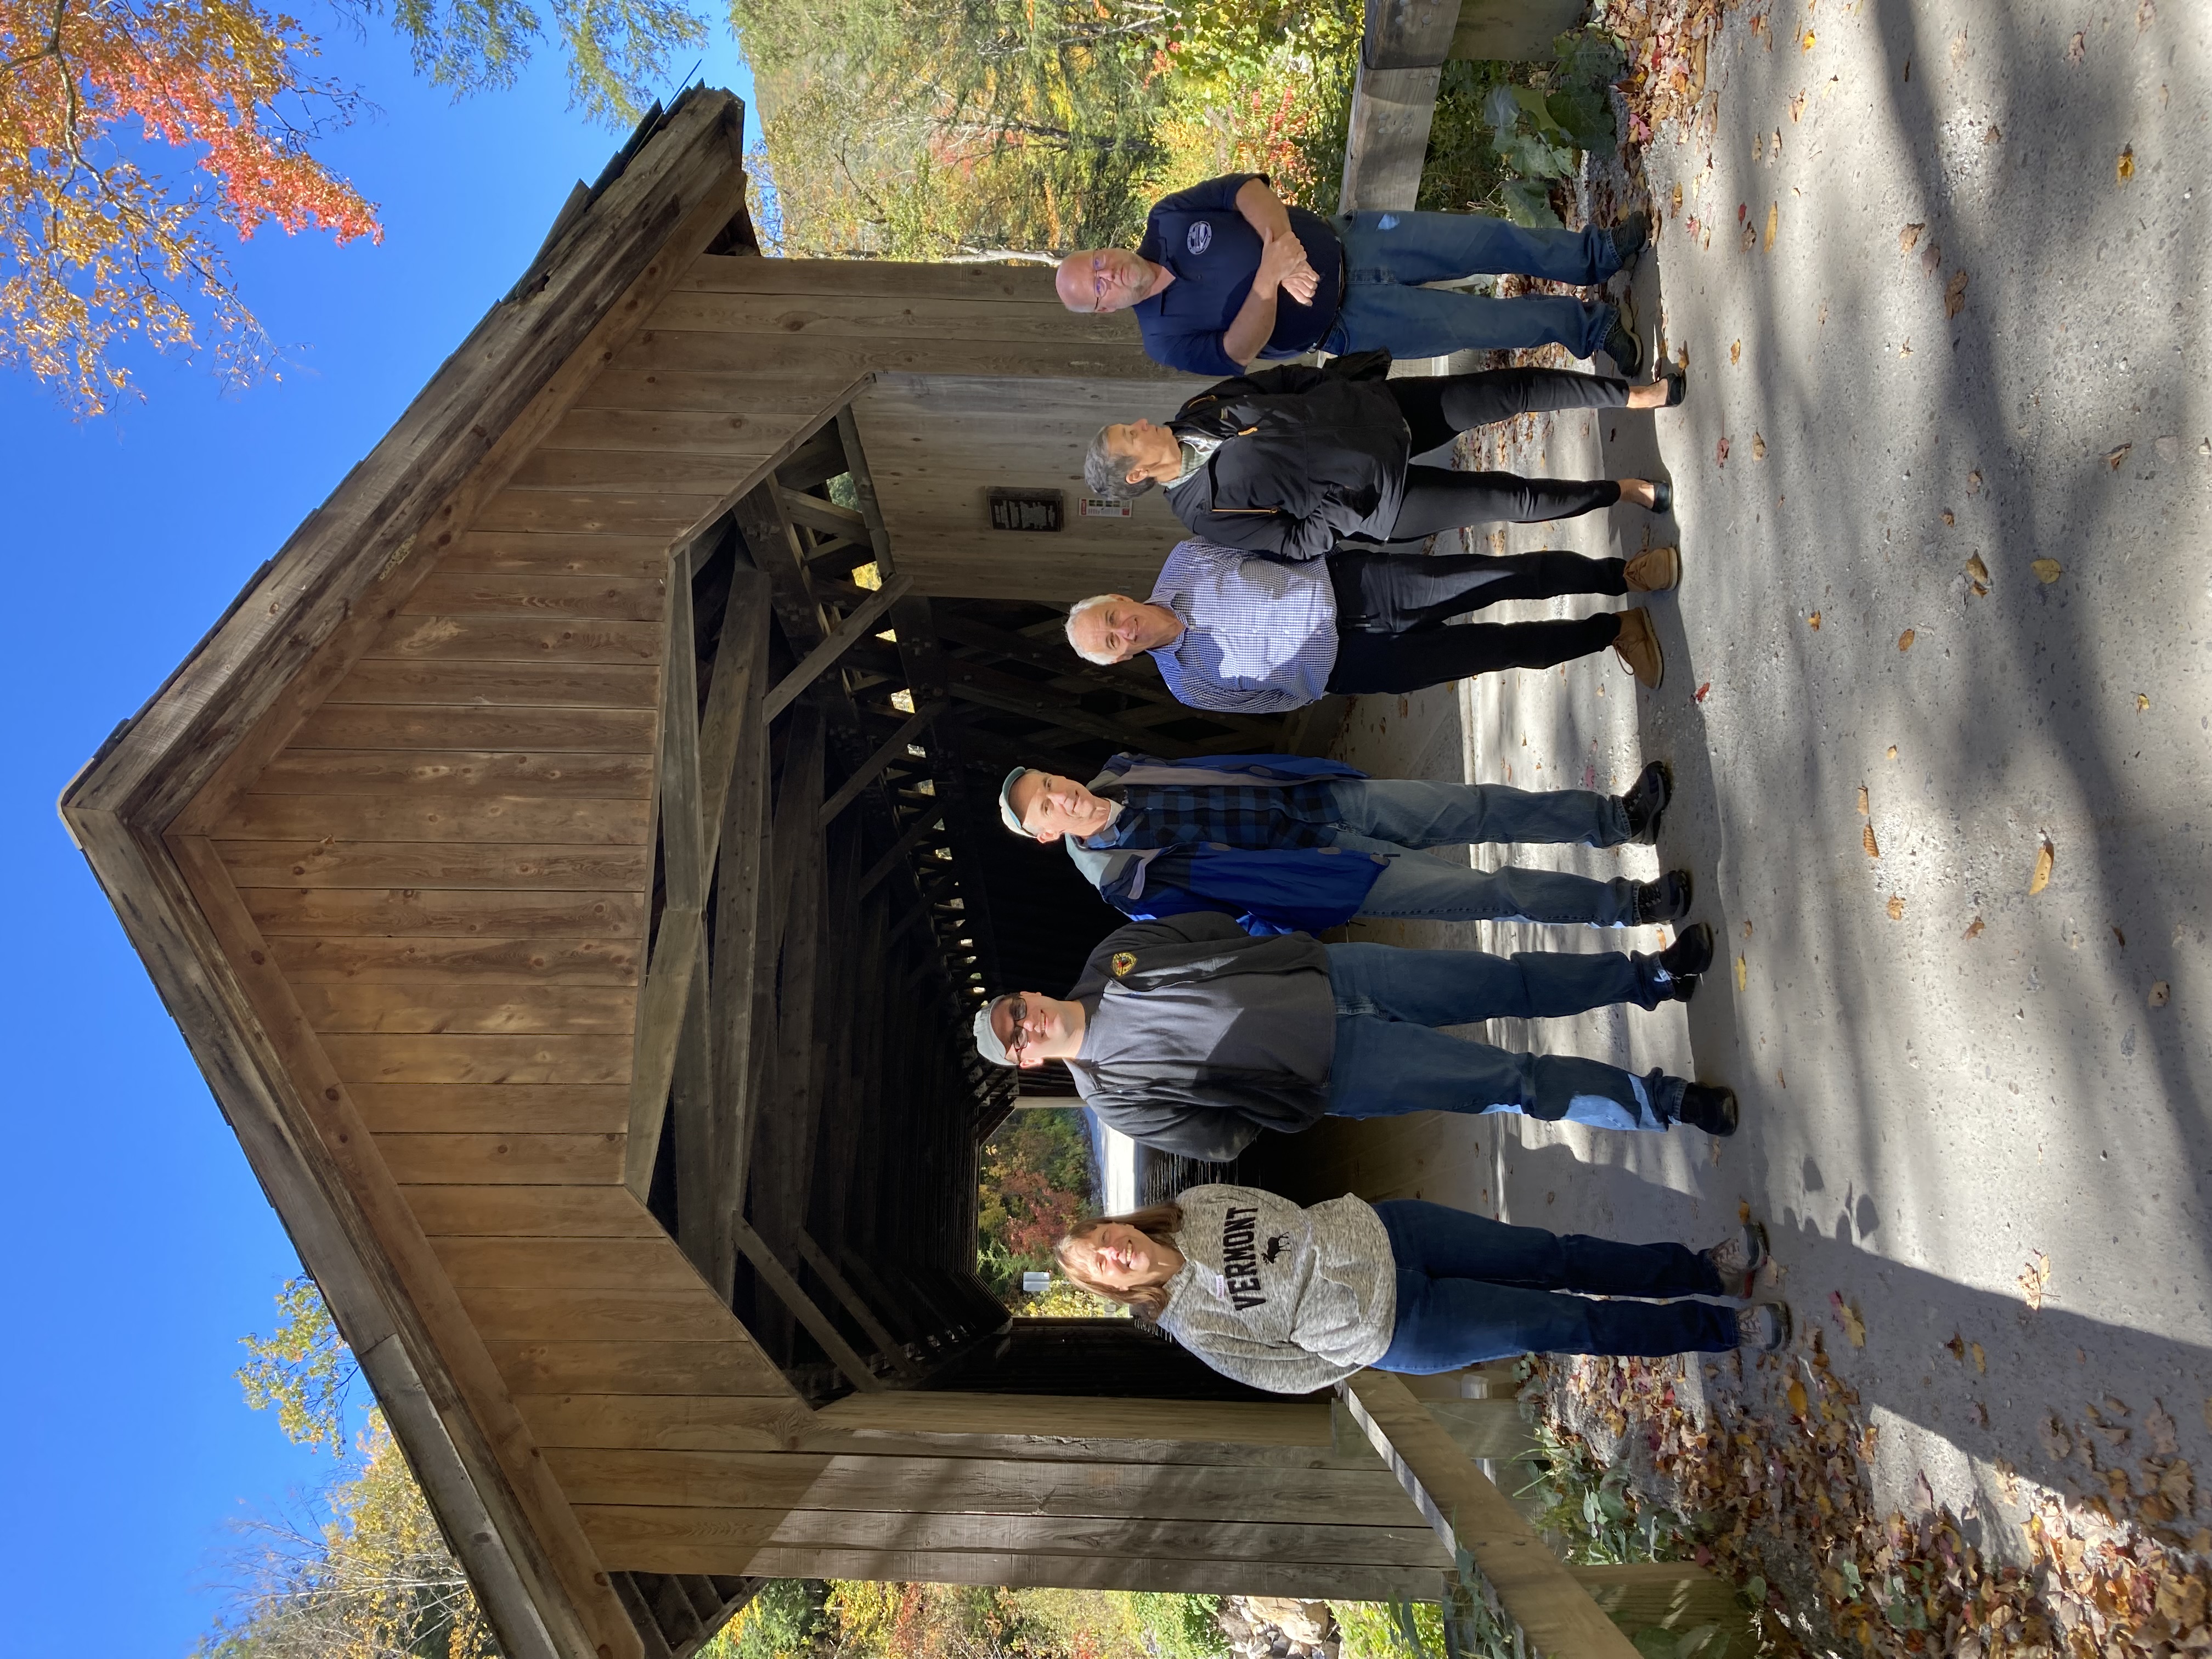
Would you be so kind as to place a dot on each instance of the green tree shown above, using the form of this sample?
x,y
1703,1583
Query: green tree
x,y
367,1574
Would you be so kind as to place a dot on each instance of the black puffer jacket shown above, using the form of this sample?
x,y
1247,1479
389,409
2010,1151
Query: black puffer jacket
x,y
1307,456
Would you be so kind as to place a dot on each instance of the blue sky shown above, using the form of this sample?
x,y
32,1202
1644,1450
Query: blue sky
x,y
139,1250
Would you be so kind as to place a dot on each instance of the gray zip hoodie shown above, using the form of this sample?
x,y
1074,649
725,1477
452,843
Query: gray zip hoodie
x,y
1282,1297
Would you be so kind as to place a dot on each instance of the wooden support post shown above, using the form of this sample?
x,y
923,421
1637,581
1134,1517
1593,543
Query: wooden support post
x,y
817,660
773,1274
905,844
1401,58
1532,1586
886,1344
675,951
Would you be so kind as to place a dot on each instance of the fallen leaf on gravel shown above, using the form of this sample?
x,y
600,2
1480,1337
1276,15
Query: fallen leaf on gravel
x,y
1814,622
2034,1279
1862,800
1954,294
1699,695
1805,44
1904,347
1994,135
1743,973
1896,907
2161,993
1977,573
1981,1361
1867,840
1973,483
1736,352
1909,237
1957,1345
1847,1317
1797,108
2047,571
1974,928
1932,260
2125,168
2114,457
1905,640
1773,219
1721,453
1948,517
2045,856
2160,1427
2142,702
1758,447
1677,198
1800,1404
2146,15
1750,238
1893,751
2074,47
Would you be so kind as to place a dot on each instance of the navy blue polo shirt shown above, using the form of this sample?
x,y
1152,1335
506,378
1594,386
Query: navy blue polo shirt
x,y
1199,235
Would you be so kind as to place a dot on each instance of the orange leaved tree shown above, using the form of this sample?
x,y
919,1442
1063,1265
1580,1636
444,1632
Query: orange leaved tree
x,y
102,250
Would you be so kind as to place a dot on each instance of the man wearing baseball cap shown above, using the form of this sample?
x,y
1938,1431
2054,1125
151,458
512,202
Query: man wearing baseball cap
x,y
1283,842
1191,1035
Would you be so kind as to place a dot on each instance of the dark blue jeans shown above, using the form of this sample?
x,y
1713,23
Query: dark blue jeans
x,y
1472,1289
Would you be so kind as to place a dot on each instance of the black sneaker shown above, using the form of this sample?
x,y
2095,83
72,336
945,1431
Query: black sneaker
x,y
1691,952
1631,237
1710,1106
1646,798
1666,899
1625,350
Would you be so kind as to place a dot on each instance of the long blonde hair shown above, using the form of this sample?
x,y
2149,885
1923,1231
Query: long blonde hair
x,y
1159,1222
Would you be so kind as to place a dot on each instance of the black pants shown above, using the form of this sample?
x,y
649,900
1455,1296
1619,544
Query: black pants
x,y
1438,407
1391,607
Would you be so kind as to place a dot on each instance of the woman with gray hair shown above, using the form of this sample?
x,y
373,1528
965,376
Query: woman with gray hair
x,y
1290,461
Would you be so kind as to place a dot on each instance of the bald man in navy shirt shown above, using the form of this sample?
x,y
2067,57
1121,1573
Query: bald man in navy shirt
x,y
1228,274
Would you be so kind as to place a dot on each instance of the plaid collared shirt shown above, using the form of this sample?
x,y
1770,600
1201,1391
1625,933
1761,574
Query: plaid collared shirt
x,y
1219,815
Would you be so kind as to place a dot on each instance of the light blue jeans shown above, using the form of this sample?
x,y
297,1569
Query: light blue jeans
x,y
1390,1060
1386,256
1393,817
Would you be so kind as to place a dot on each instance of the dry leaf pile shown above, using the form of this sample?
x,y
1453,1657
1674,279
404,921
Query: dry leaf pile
x,y
1668,42
1777,1478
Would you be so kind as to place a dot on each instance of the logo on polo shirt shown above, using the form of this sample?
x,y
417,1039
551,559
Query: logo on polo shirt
x,y
1200,237
1122,962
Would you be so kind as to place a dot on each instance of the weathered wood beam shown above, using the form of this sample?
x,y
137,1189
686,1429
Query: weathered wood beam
x,y
825,516
677,946
817,661
856,1304
905,844
773,1274
974,682
892,747
1468,1512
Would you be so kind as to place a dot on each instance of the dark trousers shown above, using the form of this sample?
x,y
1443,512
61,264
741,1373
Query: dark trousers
x,y
1472,1289
1391,607
1438,407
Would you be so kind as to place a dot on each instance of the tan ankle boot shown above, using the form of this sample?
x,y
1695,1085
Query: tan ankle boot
x,y
1655,571
1639,647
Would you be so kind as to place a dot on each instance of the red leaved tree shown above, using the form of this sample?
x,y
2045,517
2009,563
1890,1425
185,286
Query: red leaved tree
x,y
102,251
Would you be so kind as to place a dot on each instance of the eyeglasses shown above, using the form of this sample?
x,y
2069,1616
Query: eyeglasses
x,y
1099,279
1017,1012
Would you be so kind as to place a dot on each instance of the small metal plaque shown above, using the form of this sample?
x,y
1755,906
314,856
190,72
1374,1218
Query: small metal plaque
x,y
1097,506
1027,509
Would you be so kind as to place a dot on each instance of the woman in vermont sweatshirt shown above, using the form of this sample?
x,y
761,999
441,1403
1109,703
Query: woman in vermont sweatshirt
x,y
1292,1299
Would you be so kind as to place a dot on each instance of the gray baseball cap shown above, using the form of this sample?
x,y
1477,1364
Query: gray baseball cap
x,y
1007,816
987,1040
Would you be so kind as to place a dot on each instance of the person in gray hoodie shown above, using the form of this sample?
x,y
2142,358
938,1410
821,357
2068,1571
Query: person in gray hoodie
x,y
1291,1299
1191,1035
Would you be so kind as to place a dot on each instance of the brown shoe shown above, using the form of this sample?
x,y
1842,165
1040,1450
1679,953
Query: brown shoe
x,y
1638,645
1655,570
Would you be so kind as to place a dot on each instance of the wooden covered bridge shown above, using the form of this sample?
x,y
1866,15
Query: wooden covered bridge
x,y
572,862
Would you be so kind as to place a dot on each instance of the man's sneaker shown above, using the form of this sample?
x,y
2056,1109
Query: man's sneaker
x,y
1625,350
1678,385
1708,1106
1656,570
1646,798
1630,236
1666,899
1763,1329
1637,646
1691,952
1737,1260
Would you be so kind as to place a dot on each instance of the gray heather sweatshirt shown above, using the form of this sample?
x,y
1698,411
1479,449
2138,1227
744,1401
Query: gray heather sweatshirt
x,y
1284,1298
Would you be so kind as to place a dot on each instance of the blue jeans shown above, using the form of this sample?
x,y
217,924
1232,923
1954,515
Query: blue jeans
x,y
1392,815
1389,1060
1472,1289
1387,255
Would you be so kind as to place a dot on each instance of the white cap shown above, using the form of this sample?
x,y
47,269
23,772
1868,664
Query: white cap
x,y
1007,816
987,1040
